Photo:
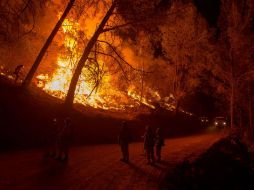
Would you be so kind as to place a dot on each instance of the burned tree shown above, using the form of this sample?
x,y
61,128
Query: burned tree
x,y
42,52
84,57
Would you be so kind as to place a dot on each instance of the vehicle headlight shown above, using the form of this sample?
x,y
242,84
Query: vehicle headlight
x,y
216,123
224,123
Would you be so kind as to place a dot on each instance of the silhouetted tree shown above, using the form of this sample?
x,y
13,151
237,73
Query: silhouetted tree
x,y
42,52
17,18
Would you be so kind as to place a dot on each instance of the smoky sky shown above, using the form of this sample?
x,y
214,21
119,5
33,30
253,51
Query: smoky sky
x,y
210,9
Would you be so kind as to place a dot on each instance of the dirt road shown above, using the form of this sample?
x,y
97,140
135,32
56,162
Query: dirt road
x,y
97,167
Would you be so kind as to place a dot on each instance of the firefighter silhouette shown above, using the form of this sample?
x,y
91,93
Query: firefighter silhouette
x,y
51,140
124,140
17,72
149,142
64,140
159,142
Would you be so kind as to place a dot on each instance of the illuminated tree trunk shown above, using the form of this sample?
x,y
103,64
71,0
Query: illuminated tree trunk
x,y
251,135
70,95
232,106
177,107
142,83
177,89
233,86
43,50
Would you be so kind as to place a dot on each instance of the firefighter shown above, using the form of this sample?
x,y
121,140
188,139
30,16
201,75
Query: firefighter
x,y
159,142
149,145
51,140
17,72
64,140
124,140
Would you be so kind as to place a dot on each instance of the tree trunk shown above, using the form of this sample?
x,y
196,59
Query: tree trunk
x,y
250,131
43,50
142,83
233,86
70,95
240,119
232,97
177,107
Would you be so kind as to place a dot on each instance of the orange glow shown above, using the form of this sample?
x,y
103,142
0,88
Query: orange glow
x,y
105,96
58,83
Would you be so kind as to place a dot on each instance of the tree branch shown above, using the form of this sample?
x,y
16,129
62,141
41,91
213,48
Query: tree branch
x,y
119,63
118,55
247,74
115,27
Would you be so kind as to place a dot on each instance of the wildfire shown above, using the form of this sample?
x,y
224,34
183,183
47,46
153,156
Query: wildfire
x,y
139,98
105,97
58,83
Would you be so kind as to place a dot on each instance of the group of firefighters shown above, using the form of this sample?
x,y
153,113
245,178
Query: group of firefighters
x,y
60,136
151,141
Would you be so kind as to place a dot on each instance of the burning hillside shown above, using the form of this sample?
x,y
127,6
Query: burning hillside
x,y
94,87
97,58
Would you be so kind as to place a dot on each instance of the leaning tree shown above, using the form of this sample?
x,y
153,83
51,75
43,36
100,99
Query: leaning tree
x,y
43,50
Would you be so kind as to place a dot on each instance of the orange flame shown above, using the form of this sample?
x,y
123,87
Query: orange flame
x,y
105,98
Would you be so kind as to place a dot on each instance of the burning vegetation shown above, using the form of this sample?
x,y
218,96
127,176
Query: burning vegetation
x,y
107,80
94,86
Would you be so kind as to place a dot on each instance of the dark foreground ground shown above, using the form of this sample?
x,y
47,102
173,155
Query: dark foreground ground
x,y
98,167
227,165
